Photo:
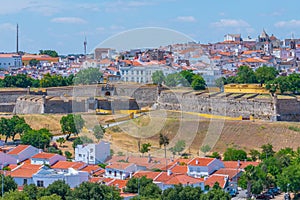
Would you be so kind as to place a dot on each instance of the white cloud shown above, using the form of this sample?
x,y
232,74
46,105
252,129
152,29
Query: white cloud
x,y
116,6
186,19
8,27
230,23
69,20
291,23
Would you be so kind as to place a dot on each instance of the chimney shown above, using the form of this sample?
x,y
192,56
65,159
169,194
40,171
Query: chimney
x,y
169,172
149,158
197,162
130,175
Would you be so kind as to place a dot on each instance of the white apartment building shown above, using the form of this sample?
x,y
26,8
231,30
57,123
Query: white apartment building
x,y
92,153
10,61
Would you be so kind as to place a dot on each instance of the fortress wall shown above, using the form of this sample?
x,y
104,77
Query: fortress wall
x,y
28,107
11,96
288,109
7,107
262,109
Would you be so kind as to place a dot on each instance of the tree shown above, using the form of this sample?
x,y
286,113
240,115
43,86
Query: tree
x,y
250,177
254,154
71,124
267,151
294,80
289,180
164,140
68,154
9,184
178,147
179,192
87,76
51,197
51,53
158,77
188,75
265,74
98,132
34,62
89,191
205,148
144,186
234,154
198,83
216,155
220,82
216,194
81,140
145,148
61,140
15,195
59,188
31,191
245,75
12,127
37,138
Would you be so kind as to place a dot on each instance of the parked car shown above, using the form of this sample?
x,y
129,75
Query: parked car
x,y
263,196
275,190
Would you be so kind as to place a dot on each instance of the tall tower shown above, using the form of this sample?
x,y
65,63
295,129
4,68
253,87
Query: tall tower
x,y
85,44
17,39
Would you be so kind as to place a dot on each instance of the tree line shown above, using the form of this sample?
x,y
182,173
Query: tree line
x,y
86,76
264,75
184,78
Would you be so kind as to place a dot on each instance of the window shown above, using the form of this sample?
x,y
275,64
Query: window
x,y
91,157
40,183
91,150
121,173
109,172
80,155
115,173
24,181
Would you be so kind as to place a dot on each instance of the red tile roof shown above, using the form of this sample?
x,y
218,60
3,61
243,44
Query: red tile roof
x,y
234,164
66,165
18,149
179,169
183,179
201,161
44,155
211,180
25,171
119,165
91,169
147,174
118,183
227,171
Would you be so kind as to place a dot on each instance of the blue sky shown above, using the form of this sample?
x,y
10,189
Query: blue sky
x,y
62,24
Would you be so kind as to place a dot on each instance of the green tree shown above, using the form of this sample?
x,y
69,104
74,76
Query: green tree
x,y
9,184
294,80
178,147
254,154
265,74
87,76
216,194
245,75
234,154
15,195
71,124
216,155
37,138
68,154
205,148
31,191
61,140
179,192
188,75
34,62
145,148
198,83
164,140
81,140
144,186
290,179
158,77
51,197
59,188
51,53
267,151
89,191
99,132
251,180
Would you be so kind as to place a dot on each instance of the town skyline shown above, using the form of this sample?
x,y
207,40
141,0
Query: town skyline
x,y
63,25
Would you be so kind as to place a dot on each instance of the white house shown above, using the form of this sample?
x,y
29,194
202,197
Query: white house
x,y
120,170
22,174
23,152
46,158
92,153
73,178
6,159
10,61
202,167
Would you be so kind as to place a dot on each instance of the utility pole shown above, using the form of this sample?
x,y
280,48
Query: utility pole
x,y
17,39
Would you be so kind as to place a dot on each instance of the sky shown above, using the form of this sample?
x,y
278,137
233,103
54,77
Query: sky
x,y
62,25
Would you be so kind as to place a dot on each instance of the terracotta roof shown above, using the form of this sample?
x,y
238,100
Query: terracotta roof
x,y
183,179
227,171
25,171
18,149
44,155
99,173
234,164
118,183
201,161
7,55
147,174
91,168
119,165
66,165
179,169
253,60
211,180
95,179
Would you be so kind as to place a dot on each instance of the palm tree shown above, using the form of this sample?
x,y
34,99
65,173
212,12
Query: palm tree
x,y
164,140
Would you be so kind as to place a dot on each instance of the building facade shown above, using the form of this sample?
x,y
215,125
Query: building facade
x,y
10,61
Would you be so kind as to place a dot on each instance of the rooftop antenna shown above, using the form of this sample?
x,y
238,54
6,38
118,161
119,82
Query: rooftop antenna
x,y
17,39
